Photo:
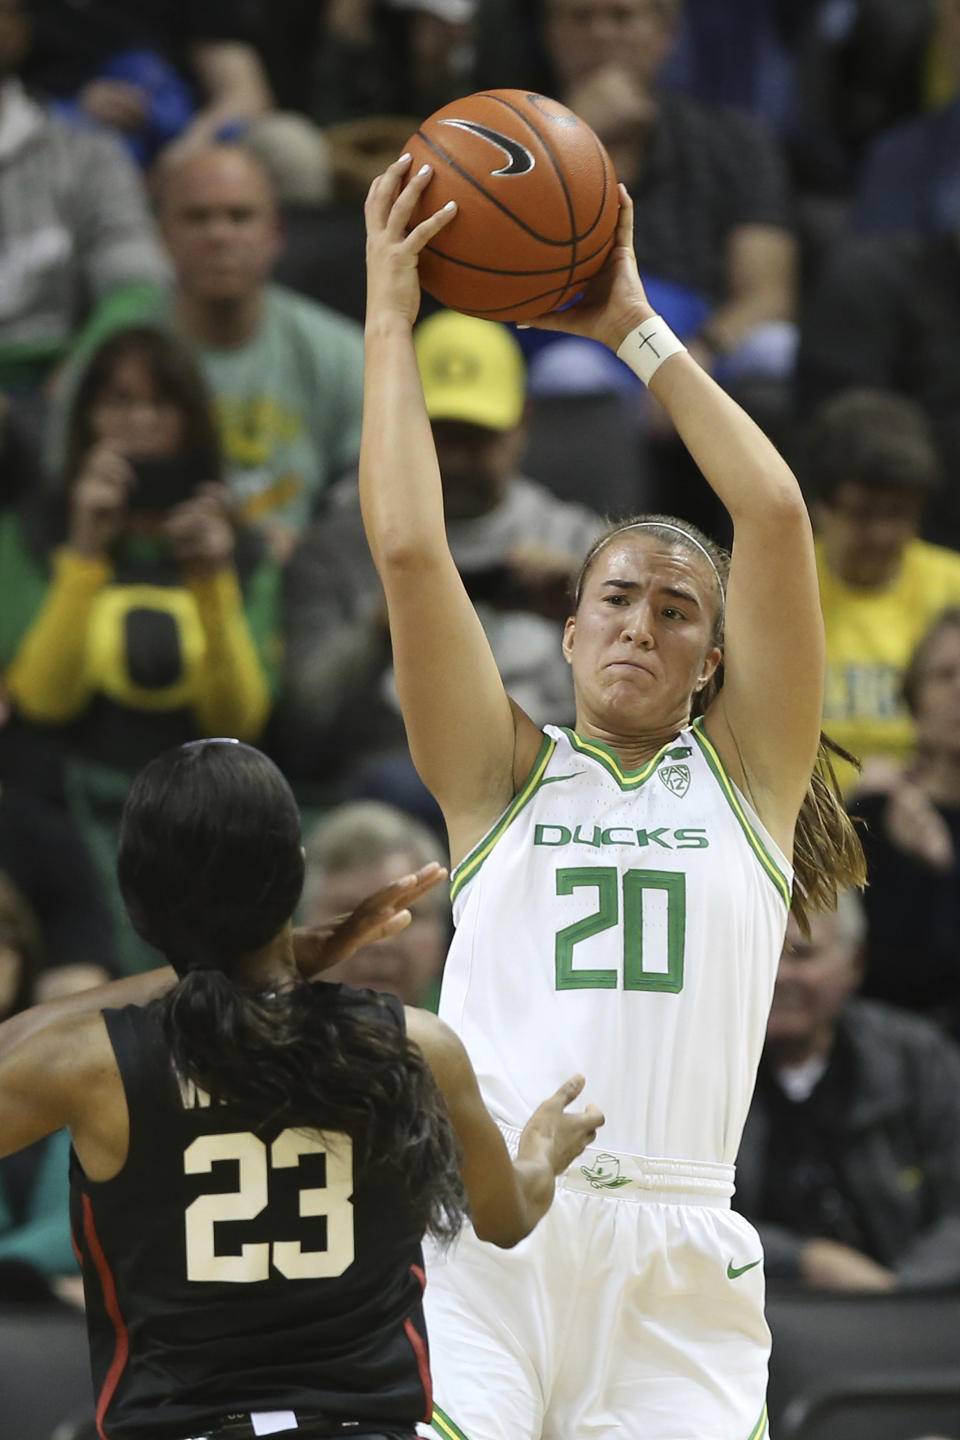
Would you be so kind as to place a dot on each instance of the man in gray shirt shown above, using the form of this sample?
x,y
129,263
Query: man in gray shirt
x,y
74,221
516,546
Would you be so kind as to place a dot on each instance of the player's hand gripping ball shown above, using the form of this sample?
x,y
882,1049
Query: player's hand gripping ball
x,y
536,204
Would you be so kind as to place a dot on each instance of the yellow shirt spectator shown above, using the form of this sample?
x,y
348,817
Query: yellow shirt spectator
x,y
871,634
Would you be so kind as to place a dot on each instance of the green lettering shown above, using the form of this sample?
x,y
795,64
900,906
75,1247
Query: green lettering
x,y
651,961
652,837
691,839
579,839
637,884
608,836
540,835
603,879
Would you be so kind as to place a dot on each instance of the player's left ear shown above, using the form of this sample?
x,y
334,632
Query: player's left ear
x,y
711,661
569,628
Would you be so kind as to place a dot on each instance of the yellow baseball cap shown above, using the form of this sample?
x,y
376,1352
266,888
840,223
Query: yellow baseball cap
x,y
472,370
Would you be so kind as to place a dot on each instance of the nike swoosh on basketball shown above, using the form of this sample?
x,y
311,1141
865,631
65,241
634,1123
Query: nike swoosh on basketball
x,y
735,1271
519,159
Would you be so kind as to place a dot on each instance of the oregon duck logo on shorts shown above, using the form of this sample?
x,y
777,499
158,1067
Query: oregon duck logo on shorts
x,y
676,777
605,1174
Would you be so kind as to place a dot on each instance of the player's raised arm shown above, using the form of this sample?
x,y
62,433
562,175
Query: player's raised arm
x,y
507,1197
464,738
766,721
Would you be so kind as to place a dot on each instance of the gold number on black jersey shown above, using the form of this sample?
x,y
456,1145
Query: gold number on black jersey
x,y
254,1163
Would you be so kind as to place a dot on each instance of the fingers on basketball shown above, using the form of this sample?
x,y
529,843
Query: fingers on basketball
x,y
422,234
384,188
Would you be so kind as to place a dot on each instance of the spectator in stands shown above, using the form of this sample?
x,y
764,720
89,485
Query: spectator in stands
x,y
514,543
850,1161
860,66
403,58
41,849
826,76
354,850
35,1245
912,843
870,468
138,631
713,235
74,223
285,372
886,312
367,71
133,614
152,71
911,174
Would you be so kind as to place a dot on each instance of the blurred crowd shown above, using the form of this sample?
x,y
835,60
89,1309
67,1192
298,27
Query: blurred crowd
x,y
181,552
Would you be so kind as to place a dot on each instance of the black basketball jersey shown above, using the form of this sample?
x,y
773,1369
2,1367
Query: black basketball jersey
x,y
231,1268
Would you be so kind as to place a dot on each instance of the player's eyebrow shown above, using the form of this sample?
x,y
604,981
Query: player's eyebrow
x,y
674,591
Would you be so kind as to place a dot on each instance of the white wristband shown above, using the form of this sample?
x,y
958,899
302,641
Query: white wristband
x,y
646,347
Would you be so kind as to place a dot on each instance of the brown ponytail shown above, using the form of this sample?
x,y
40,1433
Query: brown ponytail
x,y
827,855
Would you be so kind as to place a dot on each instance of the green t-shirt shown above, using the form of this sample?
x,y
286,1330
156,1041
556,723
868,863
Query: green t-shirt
x,y
288,401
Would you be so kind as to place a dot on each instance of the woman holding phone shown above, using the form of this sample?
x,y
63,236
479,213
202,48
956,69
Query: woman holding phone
x,y
136,631
129,621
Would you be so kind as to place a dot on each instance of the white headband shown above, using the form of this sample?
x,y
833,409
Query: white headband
x,y
665,525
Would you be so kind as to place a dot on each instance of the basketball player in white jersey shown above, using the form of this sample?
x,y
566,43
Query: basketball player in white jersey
x,y
621,890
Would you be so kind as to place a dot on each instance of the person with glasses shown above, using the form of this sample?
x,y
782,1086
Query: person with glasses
x,y
870,467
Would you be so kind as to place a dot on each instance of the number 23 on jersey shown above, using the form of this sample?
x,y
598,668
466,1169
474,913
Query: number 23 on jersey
x,y
255,1161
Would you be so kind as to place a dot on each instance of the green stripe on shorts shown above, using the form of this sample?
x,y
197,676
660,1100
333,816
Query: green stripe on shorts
x,y
758,1431
444,1426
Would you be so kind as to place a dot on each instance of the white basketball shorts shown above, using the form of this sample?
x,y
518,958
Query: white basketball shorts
x,y
634,1310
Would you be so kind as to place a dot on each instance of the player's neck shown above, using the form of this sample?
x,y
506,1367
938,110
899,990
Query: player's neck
x,y
632,750
274,964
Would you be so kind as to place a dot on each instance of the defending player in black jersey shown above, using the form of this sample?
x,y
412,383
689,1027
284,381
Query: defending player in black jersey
x,y
256,1159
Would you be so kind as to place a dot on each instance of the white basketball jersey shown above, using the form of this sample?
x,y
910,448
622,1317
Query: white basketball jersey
x,y
626,925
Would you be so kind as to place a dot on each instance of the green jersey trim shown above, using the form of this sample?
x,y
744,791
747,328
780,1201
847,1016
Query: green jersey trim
x,y
444,1426
769,865
469,866
610,760
757,1433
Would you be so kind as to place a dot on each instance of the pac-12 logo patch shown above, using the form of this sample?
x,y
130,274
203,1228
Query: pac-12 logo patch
x,y
676,778
519,159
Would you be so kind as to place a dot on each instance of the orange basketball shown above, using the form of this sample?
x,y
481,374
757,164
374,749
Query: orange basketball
x,y
537,204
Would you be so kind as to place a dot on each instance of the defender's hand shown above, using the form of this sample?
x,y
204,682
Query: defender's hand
x,y
556,1137
385,912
